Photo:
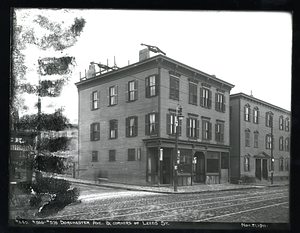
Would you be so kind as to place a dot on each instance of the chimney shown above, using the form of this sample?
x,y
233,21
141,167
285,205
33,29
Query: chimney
x,y
144,54
91,72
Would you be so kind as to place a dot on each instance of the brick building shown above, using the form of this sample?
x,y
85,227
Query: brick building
x,y
251,139
127,118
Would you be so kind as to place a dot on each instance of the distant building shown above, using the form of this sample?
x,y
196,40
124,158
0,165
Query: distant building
x,y
251,139
127,118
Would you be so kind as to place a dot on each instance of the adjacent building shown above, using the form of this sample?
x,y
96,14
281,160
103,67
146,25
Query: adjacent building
x,y
127,124
259,131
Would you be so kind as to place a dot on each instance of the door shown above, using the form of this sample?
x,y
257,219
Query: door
x,y
258,169
199,168
166,171
265,169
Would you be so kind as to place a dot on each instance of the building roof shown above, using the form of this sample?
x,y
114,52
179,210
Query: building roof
x,y
156,58
249,97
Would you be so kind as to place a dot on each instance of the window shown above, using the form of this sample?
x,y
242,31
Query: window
x,y
281,164
132,126
287,144
95,97
171,124
212,165
151,86
247,137
131,154
131,90
247,112
95,156
193,93
113,95
174,88
268,141
256,139
192,128
256,115
113,129
281,122
220,102
281,143
287,124
205,98
220,132
287,164
95,131
151,126
206,130
269,119
112,155
247,163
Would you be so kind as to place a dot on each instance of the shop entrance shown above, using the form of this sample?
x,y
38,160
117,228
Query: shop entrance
x,y
261,169
199,168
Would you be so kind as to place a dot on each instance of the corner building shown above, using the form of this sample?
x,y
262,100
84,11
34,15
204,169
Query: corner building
x,y
251,134
127,120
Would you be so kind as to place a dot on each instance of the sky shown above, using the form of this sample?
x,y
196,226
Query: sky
x,y
251,50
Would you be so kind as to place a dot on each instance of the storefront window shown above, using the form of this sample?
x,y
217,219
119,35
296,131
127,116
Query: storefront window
x,y
212,165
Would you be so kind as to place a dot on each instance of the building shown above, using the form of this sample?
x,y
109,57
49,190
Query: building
x,y
251,134
127,123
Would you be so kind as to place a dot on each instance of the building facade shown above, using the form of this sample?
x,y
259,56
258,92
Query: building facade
x,y
127,124
259,131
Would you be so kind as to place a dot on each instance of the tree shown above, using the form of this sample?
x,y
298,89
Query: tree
x,y
57,37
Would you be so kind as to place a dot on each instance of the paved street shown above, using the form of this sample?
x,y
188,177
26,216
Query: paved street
x,y
264,204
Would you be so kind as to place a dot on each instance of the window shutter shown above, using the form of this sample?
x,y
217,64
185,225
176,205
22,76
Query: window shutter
x,y
266,141
156,122
190,93
216,133
168,123
147,87
147,124
201,97
127,126
135,126
222,133
224,104
126,92
179,126
245,113
116,127
245,169
203,130
91,132
98,131
172,89
136,89
108,99
116,94
187,127
216,102
91,100
209,98
197,128
176,88
267,119
98,99
156,84
210,129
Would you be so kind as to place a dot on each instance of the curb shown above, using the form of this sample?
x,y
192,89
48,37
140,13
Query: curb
x,y
173,192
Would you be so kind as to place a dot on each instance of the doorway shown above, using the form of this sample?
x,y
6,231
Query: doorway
x,y
258,169
265,169
199,168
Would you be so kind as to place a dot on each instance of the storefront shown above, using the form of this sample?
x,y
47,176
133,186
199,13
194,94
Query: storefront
x,y
196,163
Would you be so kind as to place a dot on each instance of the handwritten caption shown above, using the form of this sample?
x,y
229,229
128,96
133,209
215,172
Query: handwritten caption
x,y
90,223
254,225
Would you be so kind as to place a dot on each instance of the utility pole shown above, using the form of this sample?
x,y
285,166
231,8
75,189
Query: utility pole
x,y
272,158
178,116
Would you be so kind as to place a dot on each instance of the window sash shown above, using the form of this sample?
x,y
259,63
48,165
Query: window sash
x,y
95,99
112,156
281,123
131,154
152,85
256,140
113,128
247,138
112,95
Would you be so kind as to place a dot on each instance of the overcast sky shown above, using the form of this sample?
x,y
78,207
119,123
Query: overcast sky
x,y
251,50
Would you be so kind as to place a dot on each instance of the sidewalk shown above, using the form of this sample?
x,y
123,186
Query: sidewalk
x,y
196,188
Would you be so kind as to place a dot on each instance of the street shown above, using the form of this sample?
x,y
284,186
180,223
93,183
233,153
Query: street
x,y
263,205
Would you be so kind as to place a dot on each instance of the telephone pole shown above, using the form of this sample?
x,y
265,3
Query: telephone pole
x,y
272,158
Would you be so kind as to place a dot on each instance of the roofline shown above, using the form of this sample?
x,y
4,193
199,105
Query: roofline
x,y
241,94
156,58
